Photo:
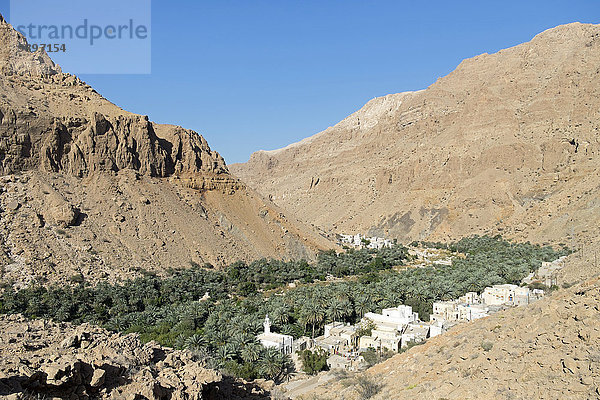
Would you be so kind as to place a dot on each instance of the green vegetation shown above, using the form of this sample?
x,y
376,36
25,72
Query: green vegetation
x,y
313,362
373,357
222,329
487,346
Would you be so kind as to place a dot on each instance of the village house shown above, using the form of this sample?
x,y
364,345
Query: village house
x,y
457,310
360,241
508,294
472,306
547,273
283,343
338,337
397,316
394,328
416,333
385,336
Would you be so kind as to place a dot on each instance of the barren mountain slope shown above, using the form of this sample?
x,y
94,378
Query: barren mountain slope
x,y
508,143
89,188
547,350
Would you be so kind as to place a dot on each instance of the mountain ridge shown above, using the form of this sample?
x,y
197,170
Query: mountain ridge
x,y
92,190
493,147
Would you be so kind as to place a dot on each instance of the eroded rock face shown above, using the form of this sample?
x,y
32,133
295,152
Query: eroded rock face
x,y
15,60
507,143
91,363
80,147
87,362
91,163
54,121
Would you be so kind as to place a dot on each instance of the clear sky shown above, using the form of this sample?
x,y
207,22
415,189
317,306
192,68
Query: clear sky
x,y
252,75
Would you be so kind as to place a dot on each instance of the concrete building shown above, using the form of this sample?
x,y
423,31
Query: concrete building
x,y
284,343
382,338
506,294
338,337
393,329
397,316
547,274
416,333
360,241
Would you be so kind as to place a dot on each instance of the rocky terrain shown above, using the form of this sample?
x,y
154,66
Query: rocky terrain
x,y
42,358
507,143
90,189
547,350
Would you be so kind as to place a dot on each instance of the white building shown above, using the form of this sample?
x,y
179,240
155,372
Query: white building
x,y
361,241
338,337
284,343
506,294
397,317
547,273
458,310
394,329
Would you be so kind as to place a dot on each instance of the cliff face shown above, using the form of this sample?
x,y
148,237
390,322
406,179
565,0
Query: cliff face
x,y
90,188
54,121
507,143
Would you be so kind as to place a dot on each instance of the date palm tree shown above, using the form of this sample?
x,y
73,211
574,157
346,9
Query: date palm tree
x,y
195,342
313,314
335,311
251,352
271,364
362,304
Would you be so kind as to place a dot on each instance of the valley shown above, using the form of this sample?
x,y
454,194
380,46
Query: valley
x,y
439,243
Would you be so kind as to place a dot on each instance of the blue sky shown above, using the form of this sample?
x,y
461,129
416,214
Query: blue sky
x,y
252,75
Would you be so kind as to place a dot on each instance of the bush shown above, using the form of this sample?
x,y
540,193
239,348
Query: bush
x,y
487,346
313,362
367,387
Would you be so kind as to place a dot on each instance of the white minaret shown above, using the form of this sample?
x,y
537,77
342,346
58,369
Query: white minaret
x,y
267,324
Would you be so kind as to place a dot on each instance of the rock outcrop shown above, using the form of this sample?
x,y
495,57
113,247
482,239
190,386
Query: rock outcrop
x,y
75,167
53,360
507,143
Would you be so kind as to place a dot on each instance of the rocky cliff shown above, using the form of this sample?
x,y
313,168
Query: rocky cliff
x,y
507,143
93,190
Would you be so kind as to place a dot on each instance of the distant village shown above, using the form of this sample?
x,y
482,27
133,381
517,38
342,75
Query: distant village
x,y
395,329
361,242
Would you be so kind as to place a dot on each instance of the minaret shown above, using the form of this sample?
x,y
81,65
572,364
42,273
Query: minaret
x,y
267,324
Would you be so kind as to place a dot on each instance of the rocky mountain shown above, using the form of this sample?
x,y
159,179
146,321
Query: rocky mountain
x,y
90,189
507,143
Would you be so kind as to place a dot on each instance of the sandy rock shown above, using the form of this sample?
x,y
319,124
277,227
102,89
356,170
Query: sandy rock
x,y
13,205
98,378
112,366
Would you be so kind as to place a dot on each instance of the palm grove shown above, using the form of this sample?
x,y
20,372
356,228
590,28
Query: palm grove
x,y
222,329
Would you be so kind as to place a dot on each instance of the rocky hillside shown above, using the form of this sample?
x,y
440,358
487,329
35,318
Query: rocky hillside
x,y
547,350
507,143
49,360
93,190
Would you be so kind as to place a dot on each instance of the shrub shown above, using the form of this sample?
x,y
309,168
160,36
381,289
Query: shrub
x,y
487,346
313,362
77,278
367,387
